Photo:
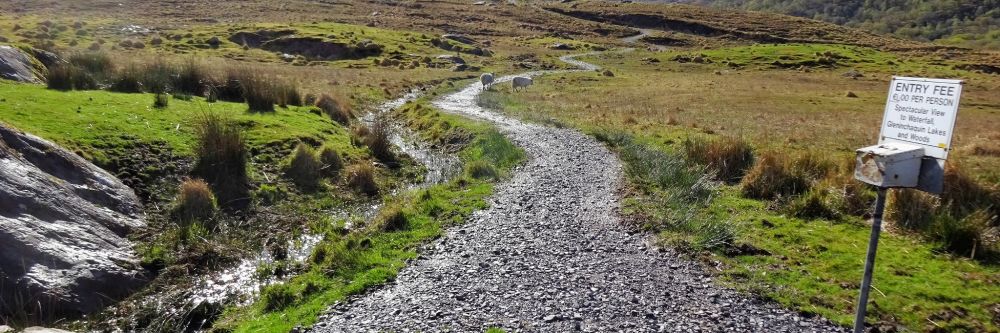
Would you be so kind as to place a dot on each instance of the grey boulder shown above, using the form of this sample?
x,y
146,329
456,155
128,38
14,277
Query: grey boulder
x,y
63,223
17,65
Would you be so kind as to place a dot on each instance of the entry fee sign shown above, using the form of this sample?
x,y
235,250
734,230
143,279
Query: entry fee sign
x,y
922,112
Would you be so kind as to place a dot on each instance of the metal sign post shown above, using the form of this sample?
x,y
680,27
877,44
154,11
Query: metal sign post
x,y
913,144
866,282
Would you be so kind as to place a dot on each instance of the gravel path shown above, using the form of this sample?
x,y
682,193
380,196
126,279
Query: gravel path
x,y
550,255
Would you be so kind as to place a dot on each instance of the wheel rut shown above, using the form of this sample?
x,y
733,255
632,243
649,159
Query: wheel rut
x,y
550,254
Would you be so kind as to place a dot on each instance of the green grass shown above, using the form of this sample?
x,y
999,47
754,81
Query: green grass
x,y
816,266
87,119
346,264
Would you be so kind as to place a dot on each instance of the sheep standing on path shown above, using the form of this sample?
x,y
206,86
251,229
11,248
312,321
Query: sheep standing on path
x,y
487,80
520,82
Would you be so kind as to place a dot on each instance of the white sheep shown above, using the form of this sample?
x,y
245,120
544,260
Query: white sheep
x,y
520,82
487,80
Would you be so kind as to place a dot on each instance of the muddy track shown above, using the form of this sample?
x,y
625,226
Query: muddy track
x,y
551,255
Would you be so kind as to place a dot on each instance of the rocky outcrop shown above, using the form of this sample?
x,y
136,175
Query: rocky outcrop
x,y
17,65
63,223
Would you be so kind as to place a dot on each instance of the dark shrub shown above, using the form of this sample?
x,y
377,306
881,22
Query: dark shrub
x,y
222,159
911,209
194,203
335,108
820,202
330,160
303,167
965,236
160,100
229,88
60,78
361,177
963,195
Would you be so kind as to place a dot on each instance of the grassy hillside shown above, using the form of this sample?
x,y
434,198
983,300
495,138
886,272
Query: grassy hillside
x,y
965,23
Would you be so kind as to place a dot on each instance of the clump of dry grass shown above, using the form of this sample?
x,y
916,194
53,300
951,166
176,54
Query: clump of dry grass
x,y
259,91
336,109
195,202
361,178
69,77
772,177
729,157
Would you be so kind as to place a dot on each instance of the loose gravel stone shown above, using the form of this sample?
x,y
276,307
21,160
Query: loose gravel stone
x,y
550,254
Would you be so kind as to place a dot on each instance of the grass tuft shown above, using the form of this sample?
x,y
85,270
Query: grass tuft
x,y
330,161
222,159
195,202
161,100
772,177
258,90
391,218
361,178
481,169
377,139
278,296
304,168
336,109
729,157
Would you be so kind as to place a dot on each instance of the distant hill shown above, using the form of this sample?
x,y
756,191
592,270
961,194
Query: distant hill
x,y
973,23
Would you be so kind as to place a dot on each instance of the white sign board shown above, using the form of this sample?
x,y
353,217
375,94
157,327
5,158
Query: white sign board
x,y
922,112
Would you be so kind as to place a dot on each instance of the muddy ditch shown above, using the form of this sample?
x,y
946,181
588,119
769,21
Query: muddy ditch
x,y
310,47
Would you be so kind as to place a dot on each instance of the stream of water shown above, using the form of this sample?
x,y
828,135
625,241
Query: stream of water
x,y
241,283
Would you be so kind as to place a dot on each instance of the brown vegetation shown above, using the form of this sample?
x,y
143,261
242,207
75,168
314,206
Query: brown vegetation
x,y
195,202
338,109
729,157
